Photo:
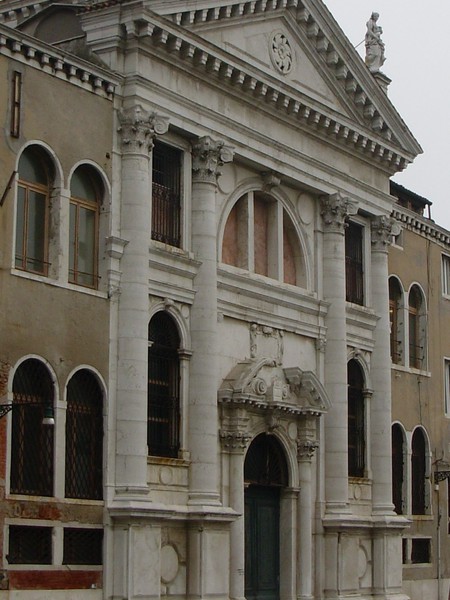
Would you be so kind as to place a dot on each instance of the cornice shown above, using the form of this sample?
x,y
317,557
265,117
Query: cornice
x,y
374,141
358,83
425,227
26,49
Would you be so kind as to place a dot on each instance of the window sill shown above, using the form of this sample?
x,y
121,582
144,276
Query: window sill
x,y
404,369
60,284
173,462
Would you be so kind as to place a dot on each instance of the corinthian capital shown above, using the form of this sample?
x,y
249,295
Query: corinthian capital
x,y
208,156
335,210
138,128
383,228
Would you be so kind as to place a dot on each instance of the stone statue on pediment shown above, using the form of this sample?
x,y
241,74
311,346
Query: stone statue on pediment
x,y
374,44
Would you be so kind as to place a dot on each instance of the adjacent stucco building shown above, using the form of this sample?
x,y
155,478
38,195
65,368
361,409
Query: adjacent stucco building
x,y
198,221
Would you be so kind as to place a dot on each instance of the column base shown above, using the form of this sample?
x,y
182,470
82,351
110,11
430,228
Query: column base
x,y
204,499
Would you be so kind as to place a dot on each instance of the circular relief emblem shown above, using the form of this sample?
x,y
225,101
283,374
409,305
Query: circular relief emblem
x,y
281,53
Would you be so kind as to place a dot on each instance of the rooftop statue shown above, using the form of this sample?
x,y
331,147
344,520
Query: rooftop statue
x,y
374,44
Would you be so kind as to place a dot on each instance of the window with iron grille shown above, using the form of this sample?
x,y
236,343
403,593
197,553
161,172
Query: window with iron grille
x,y
418,473
354,276
84,437
166,195
29,545
31,440
163,387
83,546
356,421
398,468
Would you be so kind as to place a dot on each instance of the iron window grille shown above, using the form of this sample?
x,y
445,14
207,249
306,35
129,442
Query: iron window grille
x,y
163,387
82,546
354,274
418,463
397,469
166,195
84,437
31,440
356,421
29,545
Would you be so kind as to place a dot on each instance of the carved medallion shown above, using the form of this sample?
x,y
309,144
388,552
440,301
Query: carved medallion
x,y
281,53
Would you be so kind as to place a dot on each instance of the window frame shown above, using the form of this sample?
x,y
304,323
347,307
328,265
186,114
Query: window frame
x,y
356,423
355,264
177,237
21,260
417,325
445,275
164,418
75,275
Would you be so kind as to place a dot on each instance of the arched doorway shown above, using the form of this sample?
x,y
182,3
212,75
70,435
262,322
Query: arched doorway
x,y
265,473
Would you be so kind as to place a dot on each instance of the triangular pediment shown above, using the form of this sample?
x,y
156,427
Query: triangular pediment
x,y
277,46
328,72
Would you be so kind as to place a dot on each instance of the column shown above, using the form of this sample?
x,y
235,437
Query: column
x,y
305,452
137,130
207,156
380,407
335,210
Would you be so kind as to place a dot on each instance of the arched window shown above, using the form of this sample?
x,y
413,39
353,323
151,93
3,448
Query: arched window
x,y
163,432
395,318
416,328
31,437
260,237
85,191
84,437
356,421
398,469
418,473
32,216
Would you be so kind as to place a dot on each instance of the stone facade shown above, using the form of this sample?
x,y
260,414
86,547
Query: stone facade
x,y
237,324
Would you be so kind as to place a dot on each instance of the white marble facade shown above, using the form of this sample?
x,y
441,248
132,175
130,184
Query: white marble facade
x,y
284,137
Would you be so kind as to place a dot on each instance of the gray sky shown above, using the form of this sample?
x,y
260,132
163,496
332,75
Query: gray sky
x,y
417,61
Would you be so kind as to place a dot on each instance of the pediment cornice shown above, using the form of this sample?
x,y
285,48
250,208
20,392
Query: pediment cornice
x,y
373,139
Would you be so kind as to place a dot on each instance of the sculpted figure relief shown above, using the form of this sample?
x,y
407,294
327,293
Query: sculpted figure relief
x,y
374,44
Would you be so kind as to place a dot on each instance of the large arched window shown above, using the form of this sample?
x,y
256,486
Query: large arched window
x,y
84,437
31,438
418,473
396,320
416,307
356,421
260,237
398,469
32,215
85,191
163,432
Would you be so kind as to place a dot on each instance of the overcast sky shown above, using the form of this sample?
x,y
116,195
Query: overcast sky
x,y
418,62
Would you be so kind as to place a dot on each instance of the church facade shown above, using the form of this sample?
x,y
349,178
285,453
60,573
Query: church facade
x,y
197,226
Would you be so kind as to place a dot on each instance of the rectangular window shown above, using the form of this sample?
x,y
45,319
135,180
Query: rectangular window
x,y
446,275
354,273
29,545
16,98
82,546
166,195
420,550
